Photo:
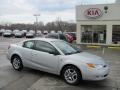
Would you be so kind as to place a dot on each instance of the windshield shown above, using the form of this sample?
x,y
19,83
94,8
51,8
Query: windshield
x,y
66,48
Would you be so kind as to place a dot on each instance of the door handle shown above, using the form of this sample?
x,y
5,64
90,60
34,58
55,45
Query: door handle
x,y
34,53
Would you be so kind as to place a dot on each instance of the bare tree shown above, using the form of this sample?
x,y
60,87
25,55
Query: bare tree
x,y
57,25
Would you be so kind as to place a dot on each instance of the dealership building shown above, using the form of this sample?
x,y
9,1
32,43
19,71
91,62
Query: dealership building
x,y
98,24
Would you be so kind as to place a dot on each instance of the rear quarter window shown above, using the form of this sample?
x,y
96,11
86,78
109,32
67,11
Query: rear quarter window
x,y
28,44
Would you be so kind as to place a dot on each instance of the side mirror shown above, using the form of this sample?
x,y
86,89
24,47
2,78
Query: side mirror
x,y
54,52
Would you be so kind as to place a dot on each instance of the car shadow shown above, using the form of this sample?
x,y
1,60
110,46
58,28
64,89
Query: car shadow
x,y
60,82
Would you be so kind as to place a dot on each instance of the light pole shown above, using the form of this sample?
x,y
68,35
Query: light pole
x,y
36,23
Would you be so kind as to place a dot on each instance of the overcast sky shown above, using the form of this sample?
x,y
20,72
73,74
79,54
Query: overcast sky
x,y
22,11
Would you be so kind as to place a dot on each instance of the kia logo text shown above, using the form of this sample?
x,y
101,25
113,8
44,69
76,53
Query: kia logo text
x,y
93,13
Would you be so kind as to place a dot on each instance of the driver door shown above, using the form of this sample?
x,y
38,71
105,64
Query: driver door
x,y
44,57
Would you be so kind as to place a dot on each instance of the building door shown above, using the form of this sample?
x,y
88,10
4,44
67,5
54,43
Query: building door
x,y
93,34
116,34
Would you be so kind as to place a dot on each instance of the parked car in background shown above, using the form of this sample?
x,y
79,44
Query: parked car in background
x,y
56,36
39,33
18,34
45,32
14,31
57,57
71,36
30,35
32,31
59,32
2,31
52,31
7,33
24,32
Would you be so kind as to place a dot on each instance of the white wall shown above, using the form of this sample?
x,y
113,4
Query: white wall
x,y
113,12
112,17
117,1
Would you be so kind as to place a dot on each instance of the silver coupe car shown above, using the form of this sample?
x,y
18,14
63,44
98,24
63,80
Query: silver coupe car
x,y
57,57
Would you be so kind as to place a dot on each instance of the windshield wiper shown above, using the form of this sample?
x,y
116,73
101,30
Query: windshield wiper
x,y
72,52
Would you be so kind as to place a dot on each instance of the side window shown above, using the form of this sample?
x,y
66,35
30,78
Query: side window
x,y
28,44
55,36
45,47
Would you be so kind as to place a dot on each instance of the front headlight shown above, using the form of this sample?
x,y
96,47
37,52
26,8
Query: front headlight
x,y
90,65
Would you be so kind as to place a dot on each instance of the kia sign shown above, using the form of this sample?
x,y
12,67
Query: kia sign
x,y
93,13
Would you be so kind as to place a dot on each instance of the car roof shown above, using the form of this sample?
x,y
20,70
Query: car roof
x,y
43,39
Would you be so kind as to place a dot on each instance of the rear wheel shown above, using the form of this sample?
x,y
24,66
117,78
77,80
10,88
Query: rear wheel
x,y
71,75
17,63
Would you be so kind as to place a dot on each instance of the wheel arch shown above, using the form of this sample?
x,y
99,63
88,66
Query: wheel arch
x,y
70,65
14,56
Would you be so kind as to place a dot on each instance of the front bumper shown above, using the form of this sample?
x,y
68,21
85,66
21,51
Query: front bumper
x,y
29,36
96,74
7,35
19,36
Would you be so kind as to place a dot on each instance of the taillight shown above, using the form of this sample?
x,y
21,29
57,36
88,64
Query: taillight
x,y
9,47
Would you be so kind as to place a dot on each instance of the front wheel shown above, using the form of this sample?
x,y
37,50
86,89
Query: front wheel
x,y
71,75
17,63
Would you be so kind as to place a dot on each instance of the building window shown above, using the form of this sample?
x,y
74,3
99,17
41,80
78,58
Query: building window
x,y
116,34
93,34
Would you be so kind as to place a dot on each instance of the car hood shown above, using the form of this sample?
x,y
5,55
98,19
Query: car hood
x,y
85,58
29,34
18,33
7,33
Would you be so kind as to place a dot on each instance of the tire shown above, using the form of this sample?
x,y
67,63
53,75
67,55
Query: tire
x,y
71,75
17,63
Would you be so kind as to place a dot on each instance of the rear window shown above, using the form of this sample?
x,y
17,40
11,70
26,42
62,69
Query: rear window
x,y
73,34
62,37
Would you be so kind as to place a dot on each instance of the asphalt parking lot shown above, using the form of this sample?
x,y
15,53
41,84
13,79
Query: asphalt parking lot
x,y
30,79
